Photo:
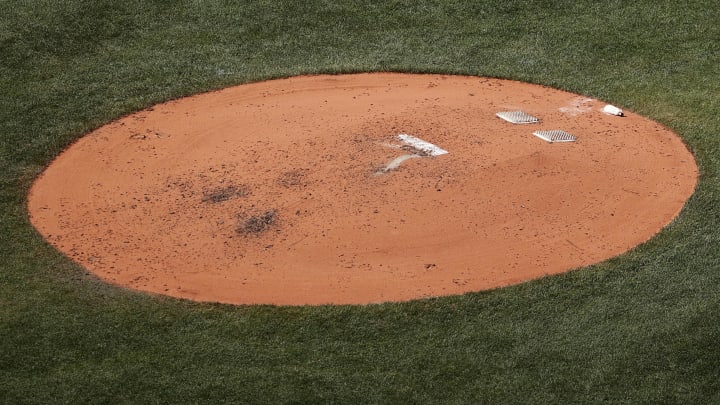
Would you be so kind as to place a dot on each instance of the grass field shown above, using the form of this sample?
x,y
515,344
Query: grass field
x,y
641,328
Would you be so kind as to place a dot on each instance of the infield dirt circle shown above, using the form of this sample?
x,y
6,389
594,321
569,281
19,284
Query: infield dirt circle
x,y
299,191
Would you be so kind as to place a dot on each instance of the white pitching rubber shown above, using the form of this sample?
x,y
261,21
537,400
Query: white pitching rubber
x,y
419,144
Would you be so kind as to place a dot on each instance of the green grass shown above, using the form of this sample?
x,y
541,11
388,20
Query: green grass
x,y
641,328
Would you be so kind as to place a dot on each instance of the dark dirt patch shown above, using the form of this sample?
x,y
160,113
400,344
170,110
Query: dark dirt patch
x,y
226,193
258,223
292,178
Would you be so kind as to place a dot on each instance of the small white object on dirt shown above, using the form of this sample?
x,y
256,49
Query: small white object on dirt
x,y
419,144
395,163
612,110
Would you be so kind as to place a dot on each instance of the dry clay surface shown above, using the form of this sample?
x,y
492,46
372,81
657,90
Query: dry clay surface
x,y
299,191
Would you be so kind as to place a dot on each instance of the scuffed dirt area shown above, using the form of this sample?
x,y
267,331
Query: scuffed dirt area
x,y
275,192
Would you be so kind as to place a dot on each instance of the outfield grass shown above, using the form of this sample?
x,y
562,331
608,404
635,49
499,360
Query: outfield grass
x,y
641,328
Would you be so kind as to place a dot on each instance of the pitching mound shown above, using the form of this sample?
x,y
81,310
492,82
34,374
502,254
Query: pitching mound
x,y
359,188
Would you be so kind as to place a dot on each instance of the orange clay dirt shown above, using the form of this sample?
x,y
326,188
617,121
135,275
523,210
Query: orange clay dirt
x,y
291,191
